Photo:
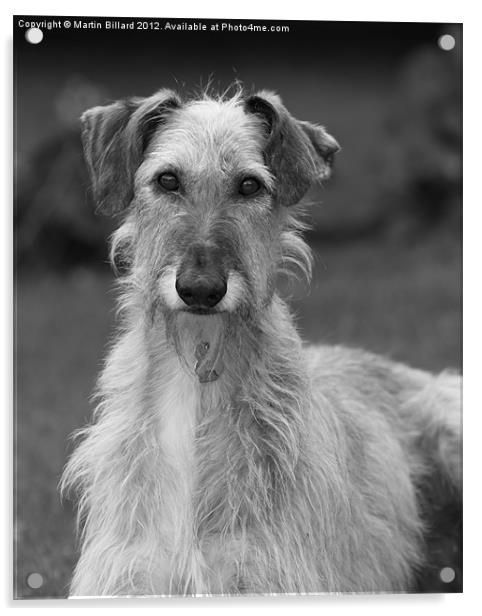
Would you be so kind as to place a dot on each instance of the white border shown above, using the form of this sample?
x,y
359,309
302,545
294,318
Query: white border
x,y
349,10
354,10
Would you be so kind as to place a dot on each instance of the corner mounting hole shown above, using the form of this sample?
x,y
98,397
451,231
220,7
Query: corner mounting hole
x,y
34,35
446,42
35,580
447,575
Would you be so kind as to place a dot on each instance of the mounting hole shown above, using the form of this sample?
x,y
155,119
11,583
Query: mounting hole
x,y
34,35
447,575
446,42
35,580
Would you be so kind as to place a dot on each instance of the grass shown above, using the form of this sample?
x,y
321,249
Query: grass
x,y
395,299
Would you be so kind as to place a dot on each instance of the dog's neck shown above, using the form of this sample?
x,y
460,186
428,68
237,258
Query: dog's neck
x,y
223,351
259,361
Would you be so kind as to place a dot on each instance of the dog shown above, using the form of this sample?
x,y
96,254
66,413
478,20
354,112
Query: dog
x,y
224,455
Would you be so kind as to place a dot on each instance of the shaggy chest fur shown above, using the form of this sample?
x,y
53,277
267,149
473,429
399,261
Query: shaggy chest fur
x,y
192,558
178,411
269,479
223,455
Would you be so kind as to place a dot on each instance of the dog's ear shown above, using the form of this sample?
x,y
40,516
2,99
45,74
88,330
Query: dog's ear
x,y
114,139
299,154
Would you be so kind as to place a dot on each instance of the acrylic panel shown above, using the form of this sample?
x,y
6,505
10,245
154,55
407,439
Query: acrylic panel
x,y
238,284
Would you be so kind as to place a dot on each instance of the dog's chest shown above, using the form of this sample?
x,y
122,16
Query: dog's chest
x,y
179,407
178,404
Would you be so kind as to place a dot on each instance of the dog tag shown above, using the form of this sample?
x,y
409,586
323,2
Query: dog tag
x,y
209,365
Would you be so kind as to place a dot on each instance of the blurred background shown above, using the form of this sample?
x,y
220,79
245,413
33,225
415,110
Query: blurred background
x,y
386,230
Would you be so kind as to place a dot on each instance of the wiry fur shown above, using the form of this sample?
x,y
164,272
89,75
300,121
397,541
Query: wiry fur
x,y
299,469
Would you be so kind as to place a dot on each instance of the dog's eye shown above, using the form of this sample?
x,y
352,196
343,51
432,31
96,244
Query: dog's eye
x,y
249,186
168,181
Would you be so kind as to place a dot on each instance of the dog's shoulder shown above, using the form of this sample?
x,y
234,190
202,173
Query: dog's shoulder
x,y
354,378
357,368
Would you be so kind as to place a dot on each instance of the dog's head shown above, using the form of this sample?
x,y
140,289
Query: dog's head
x,y
208,187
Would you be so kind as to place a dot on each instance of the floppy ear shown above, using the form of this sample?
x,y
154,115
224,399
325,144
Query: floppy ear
x,y
114,138
299,154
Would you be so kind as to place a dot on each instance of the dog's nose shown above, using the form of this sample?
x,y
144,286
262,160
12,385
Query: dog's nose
x,y
198,291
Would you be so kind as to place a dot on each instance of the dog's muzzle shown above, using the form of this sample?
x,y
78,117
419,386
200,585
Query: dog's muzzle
x,y
201,282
